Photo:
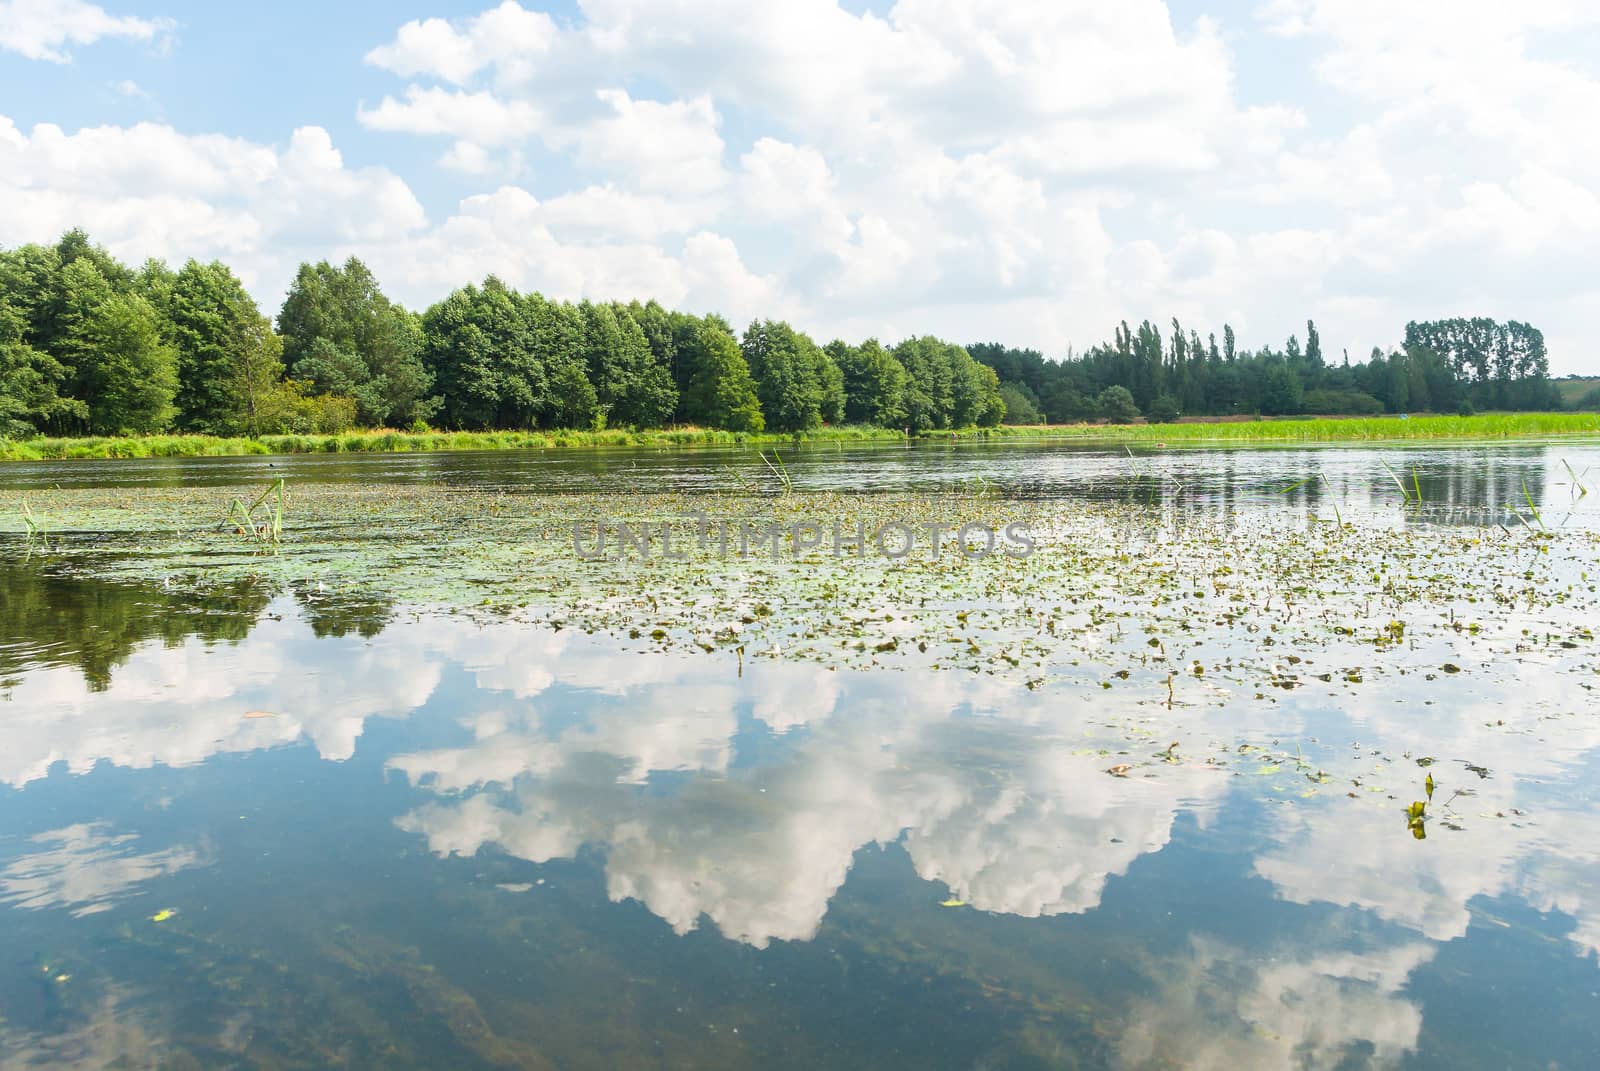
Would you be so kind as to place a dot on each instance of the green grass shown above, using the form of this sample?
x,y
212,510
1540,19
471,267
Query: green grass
x,y
1574,390
383,441
1322,429
1326,429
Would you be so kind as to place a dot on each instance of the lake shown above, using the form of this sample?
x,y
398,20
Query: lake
x,y
1262,758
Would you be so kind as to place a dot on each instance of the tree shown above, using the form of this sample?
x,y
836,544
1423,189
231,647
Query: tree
x,y
341,311
221,342
558,346
1020,406
873,381
1280,390
128,373
1116,405
30,384
460,358
789,371
722,393
1163,410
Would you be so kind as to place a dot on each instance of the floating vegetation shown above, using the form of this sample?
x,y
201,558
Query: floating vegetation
x,y
1184,604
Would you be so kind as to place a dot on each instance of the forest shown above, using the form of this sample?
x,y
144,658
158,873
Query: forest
x,y
1444,366
91,346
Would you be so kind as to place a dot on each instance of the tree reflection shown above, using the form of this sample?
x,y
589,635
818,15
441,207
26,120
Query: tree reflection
x,y
51,617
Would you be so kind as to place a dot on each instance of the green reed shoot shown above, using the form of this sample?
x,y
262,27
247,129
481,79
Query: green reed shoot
x,y
35,528
1577,482
779,470
1533,509
261,520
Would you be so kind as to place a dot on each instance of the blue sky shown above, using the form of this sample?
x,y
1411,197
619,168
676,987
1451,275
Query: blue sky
x,y
1030,171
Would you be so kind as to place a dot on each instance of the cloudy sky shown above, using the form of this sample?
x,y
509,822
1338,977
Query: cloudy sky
x,y
1030,172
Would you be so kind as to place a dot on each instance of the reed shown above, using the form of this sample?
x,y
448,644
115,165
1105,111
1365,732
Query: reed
x,y
1323,429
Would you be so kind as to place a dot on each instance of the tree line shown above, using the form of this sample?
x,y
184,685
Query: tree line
x,y
1444,366
89,345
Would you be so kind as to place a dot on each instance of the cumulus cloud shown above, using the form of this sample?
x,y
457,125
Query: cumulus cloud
x,y
42,29
149,190
1033,171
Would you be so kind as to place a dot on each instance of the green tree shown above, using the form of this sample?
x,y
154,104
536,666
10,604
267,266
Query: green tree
x,y
344,336
127,373
222,344
1021,408
1280,390
1116,405
788,369
1163,410
722,393
30,384
874,383
558,345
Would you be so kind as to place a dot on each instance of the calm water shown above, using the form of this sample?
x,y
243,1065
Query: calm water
x,y
254,832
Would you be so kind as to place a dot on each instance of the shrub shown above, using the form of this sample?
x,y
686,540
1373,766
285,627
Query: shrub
x,y
1163,410
1340,403
1116,406
1020,407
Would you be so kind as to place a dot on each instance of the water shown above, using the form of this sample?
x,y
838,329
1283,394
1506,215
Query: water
x,y
249,831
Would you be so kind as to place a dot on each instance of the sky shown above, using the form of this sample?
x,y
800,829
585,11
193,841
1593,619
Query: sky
x,y
1027,171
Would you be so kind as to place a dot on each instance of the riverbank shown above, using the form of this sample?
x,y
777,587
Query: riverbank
x,y
1486,426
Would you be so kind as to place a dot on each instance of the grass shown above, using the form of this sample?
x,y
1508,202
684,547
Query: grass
x,y
1574,391
386,441
1327,429
1321,429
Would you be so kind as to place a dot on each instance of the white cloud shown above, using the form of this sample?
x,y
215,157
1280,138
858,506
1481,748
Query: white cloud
x,y
129,88
507,35
478,117
41,29
1032,172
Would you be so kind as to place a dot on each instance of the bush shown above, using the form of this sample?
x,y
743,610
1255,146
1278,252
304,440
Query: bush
x,y
1116,406
1340,403
1163,410
1465,408
1020,407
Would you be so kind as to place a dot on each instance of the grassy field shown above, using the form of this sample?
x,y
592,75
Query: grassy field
x,y
1322,429
383,442
1574,390
1331,429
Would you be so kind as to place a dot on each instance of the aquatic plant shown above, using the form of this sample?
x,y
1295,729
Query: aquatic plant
x,y
35,530
779,471
1367,429
261,520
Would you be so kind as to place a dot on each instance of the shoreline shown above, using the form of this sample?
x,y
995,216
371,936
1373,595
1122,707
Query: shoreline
x,y
1481,427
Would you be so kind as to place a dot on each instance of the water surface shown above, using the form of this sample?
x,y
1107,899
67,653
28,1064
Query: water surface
x,y
256,830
